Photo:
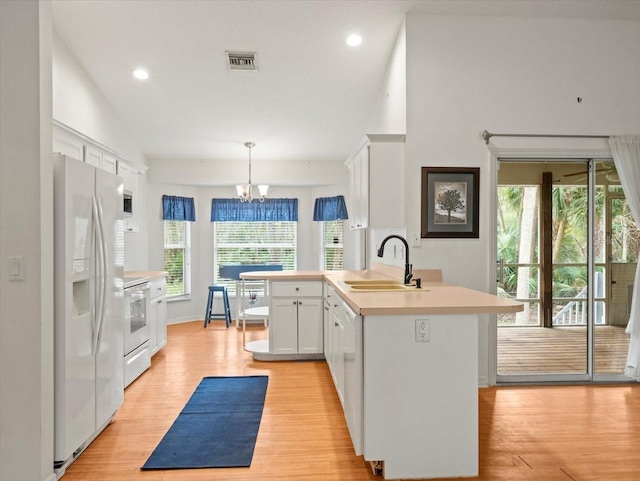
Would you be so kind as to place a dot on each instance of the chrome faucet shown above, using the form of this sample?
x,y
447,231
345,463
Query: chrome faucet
x,y
408,274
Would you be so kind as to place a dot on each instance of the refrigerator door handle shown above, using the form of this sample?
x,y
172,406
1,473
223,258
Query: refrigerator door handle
x,y
102,259
94,339
98,310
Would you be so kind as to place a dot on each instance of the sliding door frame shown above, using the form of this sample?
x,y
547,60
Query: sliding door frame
x,y
528,154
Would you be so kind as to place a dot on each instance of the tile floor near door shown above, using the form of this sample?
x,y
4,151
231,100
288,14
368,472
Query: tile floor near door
x,y
560,433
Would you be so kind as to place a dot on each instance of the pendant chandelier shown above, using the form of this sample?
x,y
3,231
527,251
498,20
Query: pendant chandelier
x,y
245,191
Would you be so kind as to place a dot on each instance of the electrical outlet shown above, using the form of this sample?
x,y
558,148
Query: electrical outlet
x,y
423,330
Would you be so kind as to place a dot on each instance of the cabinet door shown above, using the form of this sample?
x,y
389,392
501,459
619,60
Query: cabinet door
x,y
92,156
158,314
386,184
67,145
363,197
129,176
338,360
152,317
283,326
161,322
359,186
351,379
310,328
327,332
131,224
109,163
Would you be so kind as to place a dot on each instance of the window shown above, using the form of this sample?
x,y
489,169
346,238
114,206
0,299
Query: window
x,y
253,243
177,257
331,241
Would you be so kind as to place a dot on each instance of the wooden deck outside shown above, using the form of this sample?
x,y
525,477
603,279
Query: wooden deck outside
x,y
538,350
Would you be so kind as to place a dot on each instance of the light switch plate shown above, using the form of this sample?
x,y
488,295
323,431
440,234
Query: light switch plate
x,y
16,268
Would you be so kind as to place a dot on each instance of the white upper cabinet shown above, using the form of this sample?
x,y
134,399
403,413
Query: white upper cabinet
x,y
376,179
93,156
109,163
359,184
129,176
386,181
67,144
74,144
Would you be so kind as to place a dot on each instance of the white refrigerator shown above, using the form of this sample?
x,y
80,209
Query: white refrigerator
x,y
89,304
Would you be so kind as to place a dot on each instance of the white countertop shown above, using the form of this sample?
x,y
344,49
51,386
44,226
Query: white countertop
x,y
434,297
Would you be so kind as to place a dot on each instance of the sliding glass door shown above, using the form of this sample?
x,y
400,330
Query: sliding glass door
x,y
554,254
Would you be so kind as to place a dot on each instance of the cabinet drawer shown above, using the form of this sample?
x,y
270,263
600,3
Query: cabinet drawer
x,y
158,288
330,294
297,289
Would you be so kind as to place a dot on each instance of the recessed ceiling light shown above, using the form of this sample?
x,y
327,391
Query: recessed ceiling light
x,y
354,40
140,74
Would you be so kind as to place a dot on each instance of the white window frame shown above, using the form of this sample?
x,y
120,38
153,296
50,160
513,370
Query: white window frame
x,y
324,246
231,286
186,266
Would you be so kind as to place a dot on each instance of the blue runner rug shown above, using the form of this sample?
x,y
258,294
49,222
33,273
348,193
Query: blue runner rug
x,y
217,428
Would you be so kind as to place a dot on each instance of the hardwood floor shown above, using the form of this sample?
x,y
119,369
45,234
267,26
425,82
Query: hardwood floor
x,y
537,350
565,433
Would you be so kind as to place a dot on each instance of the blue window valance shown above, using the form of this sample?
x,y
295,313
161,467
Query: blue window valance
x,y
178,208
330,208
271,210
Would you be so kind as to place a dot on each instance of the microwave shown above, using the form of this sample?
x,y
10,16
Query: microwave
x,y
127,206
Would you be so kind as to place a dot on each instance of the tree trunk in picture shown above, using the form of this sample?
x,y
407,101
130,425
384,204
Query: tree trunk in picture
x,y
525,249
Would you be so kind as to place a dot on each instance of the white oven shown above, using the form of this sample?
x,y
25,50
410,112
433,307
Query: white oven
x,y
137,352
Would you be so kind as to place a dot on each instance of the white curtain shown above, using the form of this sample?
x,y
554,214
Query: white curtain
x,y
626,155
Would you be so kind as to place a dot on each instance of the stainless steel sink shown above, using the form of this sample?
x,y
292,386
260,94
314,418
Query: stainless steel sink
x,y
373,282
379,288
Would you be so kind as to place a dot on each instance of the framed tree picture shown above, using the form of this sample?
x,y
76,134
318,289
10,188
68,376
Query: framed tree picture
x,y
450,202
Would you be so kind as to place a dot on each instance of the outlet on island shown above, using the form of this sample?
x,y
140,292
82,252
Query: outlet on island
x,y
423,330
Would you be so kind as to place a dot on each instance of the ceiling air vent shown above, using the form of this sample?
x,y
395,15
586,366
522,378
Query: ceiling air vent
x,y
242,60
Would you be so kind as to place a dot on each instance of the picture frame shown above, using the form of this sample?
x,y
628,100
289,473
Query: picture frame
x,y
450,202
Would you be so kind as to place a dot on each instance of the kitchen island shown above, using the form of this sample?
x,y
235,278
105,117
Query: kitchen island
x,y
404,362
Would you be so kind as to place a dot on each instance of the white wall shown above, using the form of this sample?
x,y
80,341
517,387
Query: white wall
x,y
202,234
206,172
26,199
467,74
389,109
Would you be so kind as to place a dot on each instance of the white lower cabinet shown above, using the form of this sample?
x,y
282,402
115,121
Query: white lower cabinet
x,y
337,355
344,354
158,314
296,318
283,335
352,378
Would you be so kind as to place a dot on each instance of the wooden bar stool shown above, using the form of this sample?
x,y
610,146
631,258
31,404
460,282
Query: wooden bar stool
x,y
209,315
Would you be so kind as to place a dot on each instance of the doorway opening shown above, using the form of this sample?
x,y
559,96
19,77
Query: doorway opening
x,y
567,248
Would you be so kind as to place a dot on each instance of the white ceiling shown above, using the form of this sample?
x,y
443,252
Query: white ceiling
x,y
311,95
